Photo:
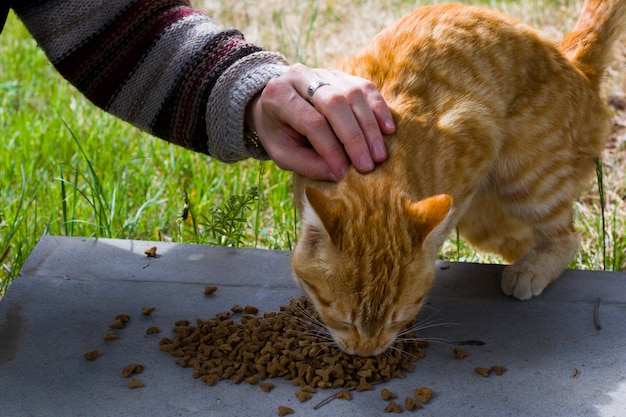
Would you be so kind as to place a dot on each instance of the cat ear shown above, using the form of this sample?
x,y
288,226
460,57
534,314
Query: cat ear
x,y
322,211
427,214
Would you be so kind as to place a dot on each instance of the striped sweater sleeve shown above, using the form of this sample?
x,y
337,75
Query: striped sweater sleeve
x,y
158,64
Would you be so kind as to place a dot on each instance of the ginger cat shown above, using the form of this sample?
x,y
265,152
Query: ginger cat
x,y
498,130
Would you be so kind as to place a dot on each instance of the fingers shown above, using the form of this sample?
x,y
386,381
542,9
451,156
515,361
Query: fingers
x,y
305,161
349,125
357,114
318,135
301,140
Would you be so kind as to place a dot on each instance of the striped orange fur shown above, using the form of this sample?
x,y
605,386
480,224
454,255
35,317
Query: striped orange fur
x,y
498,130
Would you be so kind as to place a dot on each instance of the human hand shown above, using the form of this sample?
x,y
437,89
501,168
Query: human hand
x,y
319,136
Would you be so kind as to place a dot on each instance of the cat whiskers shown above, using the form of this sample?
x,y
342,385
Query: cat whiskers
x,y
410,333
403,353
310,322
312,327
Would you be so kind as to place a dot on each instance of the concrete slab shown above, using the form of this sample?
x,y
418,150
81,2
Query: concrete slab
x,y
558,363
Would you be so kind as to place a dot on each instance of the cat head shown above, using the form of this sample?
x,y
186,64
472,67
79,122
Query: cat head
x,y
366,263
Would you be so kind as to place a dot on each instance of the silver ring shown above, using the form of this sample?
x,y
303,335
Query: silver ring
x,y
314,86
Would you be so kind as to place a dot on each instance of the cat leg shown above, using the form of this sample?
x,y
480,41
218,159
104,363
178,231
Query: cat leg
x,y
555,250
488,226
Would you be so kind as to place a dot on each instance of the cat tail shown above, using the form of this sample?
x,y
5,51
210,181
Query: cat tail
x,y
588,46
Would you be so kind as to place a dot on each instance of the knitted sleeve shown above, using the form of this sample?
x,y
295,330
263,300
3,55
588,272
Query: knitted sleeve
x,y
158,64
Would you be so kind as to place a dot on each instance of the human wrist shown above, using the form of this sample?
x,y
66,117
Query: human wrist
x,y
250,135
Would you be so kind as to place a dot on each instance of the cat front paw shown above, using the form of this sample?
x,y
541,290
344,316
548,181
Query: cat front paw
x,y
523,282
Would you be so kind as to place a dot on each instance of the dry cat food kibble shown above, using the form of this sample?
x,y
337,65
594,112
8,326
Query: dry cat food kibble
x,y
423,394
283,411
153,330
151,252
209,289
460,353
282,344
132,369
120,321
302,396
252,380
250,310
117,324
124,318
92,355
110,336
134,383
236,309
498,369
345,394
267,386
410,404
387,395
146,311
392,407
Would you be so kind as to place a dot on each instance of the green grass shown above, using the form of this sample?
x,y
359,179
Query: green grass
x,y
67,168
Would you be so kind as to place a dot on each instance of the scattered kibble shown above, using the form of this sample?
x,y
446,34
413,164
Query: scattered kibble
x,y
267,386
423,394
250,310
124,318
303,396
364,386
209,289
117,324
276,344
146,311
387,395
209,379
498,369
92,355
392,407
134,383
410,404
153,330
151,252
253,380
344,394
484,372
132,369
110,336
283,411
460,353
236,308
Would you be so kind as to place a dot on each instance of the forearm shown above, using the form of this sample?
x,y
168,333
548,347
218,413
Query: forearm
x,y
159,65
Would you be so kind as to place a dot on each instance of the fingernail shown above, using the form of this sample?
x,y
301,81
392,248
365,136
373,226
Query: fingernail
x,y
366,163
332,177
379,151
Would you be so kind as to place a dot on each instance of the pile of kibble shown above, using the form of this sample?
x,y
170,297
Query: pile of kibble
x,y
241,345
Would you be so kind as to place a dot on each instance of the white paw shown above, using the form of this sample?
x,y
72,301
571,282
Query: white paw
x,y
534,271
522,282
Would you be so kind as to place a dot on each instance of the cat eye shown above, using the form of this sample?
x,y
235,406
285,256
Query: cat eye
x,y
342,325
397,325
